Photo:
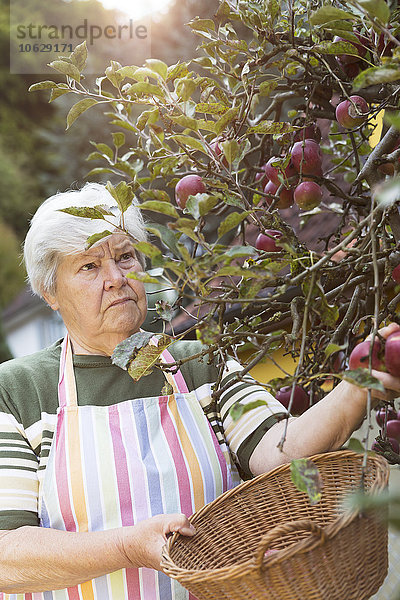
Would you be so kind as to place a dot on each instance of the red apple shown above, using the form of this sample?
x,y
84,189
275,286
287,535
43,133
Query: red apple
x,y
392,354
273,172
393,429
353,112
301,400
266,241
307,157
189,185
359,358
285,195
380,415
308,194
396,274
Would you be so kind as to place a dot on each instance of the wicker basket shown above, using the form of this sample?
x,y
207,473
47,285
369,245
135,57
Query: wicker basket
x,y
321,552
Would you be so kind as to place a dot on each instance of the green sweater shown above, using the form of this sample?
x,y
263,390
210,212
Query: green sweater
x,y
29,402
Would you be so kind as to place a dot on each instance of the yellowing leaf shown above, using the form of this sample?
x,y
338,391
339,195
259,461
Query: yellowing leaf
x,y
79,108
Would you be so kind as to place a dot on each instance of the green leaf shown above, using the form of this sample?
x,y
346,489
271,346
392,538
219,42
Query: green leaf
x,y
79,56
187,140
198,24
99,171
148,249
375,75
147,117
336,48
148,356
200,204
66,68
306,477
231,150
376,8
185,88
113,74
124,351
157,66
153,194
226,118
58,91
118,139
238,409
231,221
332,348
142,74
266,87
238,251
142,87
86,212
210,108
355,445
272,127
128,72
79,108
329,13
161,207
362,378
93,239
178,70
166,236
144,277
42,85
103,149
185,121
122,194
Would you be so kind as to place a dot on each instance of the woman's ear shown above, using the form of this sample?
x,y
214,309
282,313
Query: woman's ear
x,y
51,301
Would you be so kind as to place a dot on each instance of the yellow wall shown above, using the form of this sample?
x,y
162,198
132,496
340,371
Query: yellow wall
x,y
266,370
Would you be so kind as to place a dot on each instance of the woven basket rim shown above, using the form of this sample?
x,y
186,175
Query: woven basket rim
x,y
304,545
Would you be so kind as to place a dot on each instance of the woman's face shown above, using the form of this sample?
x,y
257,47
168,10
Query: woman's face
x,y
99,305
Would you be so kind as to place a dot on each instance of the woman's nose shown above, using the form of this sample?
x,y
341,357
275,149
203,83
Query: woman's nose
x,y
113,275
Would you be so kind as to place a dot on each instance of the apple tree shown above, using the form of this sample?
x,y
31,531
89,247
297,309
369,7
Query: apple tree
x,y
275,115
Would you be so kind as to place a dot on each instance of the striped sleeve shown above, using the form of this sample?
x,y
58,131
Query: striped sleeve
x,y
18,473
244,434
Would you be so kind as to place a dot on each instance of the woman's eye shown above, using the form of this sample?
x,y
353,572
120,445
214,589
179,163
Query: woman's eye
x,y
88,266
126,256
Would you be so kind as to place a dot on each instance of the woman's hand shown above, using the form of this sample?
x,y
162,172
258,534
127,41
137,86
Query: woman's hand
x,y
390,382
142,544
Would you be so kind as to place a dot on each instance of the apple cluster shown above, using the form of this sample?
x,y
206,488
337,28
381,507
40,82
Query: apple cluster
x,y
392,419
294,182
385,356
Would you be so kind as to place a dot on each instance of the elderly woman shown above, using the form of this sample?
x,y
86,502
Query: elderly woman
x,y
96,469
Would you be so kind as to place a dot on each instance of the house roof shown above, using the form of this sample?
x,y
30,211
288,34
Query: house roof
x,y
23,306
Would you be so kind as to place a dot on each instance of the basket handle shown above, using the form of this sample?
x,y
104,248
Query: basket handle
x,y
282,529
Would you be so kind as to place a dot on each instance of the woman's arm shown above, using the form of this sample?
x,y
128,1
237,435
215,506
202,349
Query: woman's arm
x,y
325,426
36,559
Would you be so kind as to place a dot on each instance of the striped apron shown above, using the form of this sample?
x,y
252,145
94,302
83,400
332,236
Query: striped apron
x,y
113,466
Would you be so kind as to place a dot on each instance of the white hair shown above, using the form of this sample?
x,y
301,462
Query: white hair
x,y
54,234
